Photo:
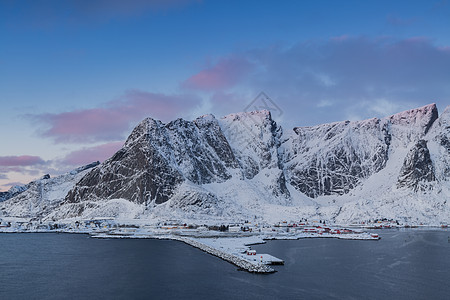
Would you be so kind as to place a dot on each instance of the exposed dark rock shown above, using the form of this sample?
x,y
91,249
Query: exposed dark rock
x,y
329,159
417,168
157,158
340,162
434,116
12,192
88,166
281,188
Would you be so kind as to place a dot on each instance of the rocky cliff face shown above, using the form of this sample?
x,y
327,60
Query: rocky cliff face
x,y
256,140
182,159
329,159
245,163
332,159
157,158
417,169
440,137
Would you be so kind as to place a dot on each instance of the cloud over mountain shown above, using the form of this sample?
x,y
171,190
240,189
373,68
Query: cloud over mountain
x,y
111,121
335,79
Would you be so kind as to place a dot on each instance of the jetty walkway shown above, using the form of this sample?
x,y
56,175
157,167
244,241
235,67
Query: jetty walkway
x,y
253,267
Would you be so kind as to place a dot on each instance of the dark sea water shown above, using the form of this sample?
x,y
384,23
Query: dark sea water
x,y
404,264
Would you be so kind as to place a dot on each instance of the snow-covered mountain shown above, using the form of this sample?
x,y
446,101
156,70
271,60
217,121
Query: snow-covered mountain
x,y
13,191
246,166
40,197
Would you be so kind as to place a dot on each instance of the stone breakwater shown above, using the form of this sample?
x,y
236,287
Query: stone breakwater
x,y
253,267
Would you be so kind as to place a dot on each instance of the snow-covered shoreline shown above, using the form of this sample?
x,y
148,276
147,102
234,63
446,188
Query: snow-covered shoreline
x,y
231,246
231,242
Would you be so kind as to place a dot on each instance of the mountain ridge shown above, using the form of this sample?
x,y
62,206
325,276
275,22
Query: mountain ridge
x,y
245,164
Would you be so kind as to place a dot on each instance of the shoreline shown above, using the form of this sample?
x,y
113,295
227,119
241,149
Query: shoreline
x,y
233,248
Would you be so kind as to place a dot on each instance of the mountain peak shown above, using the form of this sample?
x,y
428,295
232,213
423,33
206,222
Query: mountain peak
x,y
207,117
142,129
263,114
245,165
423,116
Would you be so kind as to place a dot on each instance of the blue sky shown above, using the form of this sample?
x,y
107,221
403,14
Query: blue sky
x,y
76,76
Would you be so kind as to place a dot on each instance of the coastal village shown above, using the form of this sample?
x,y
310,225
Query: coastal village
x,y
125,227
230,242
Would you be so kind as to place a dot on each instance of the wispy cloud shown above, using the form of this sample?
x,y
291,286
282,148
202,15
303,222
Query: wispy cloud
x,y
24,170
326,80
90,154
10,184
114,119
27,168
224,74
20,161
23,165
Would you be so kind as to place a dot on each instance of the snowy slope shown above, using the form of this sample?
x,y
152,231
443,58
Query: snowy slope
x,y
42,196
244,166
12,192
413,186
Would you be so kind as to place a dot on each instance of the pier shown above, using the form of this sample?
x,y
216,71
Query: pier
x,y
266,259
250,266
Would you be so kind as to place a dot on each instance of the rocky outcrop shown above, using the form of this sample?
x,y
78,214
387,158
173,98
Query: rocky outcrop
x,y
12,192
442,138
417,168
329,159
332,159
255,139
158,157
245,164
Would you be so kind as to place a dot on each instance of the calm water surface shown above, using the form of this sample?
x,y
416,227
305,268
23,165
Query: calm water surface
x,y
404,264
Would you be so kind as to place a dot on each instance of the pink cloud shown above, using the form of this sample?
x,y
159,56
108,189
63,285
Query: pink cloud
x,y
83,122
24,170
91,154
226,73
20,161
6,186
10,184
111,121
341,71
18,168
